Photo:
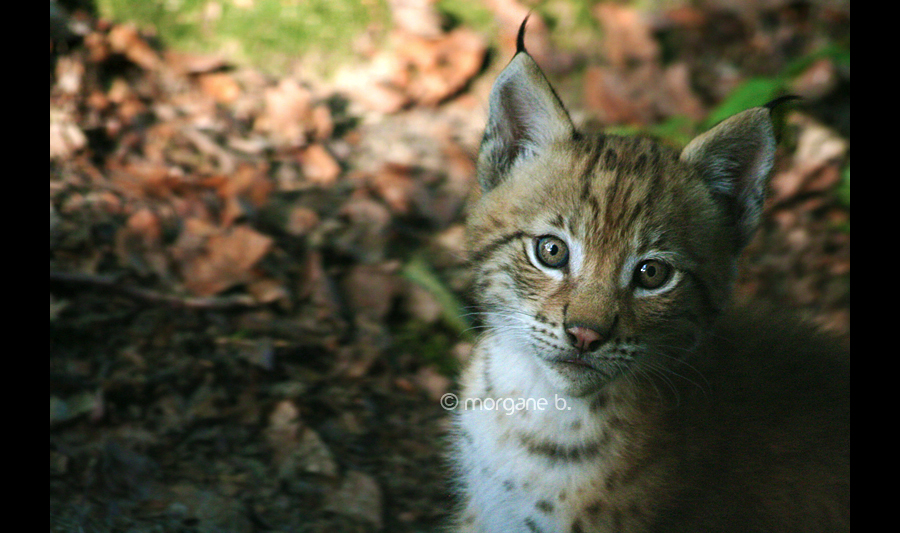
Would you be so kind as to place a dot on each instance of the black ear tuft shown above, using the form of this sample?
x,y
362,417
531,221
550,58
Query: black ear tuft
x,y
520,38
777,113
774,104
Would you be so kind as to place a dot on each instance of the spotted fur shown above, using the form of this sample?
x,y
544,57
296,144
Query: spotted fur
x,y
684,415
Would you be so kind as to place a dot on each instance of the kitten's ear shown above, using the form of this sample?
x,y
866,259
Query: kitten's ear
x,y
736,158
525,117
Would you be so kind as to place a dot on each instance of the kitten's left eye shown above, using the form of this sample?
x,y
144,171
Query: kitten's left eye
x,y
652,274
552,251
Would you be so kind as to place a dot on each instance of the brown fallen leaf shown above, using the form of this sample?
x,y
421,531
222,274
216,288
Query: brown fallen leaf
x,y
370,290
247,184
365,233
418,17
817,80
394,185
145,224
679,17
69,75
128,102
381,97
126,40
301,221
98,47
220,86
627,37
641,93
433,383
677,98
422,305
188,63
317,286
815,166
211,149
319,166
227,261
449,247
610,93
287,114
267,290
66,137
439,68
322,123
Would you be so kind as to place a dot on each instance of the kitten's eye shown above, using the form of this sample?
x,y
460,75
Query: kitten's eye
x,y
552,252
652,274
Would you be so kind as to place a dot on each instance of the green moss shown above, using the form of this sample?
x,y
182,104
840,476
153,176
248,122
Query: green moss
x,y
268,34
469,13
843,190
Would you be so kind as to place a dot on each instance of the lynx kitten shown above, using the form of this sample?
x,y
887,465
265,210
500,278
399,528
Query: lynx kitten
x,y
613,389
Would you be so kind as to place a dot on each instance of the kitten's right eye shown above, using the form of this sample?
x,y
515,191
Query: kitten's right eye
x,y
552,251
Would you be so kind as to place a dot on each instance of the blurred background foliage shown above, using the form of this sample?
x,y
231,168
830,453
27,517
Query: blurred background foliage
x,y
272,34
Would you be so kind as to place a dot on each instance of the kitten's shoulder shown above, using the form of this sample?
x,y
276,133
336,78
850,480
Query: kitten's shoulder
x,y
771,339
767,426
767,357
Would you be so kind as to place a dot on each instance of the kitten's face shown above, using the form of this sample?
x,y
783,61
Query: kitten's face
x,y
614,236
601,256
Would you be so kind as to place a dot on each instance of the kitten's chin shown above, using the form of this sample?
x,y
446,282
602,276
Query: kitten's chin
x,y
579,377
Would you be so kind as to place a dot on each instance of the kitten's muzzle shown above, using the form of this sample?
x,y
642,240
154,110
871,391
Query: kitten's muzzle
x,y
587,337
584,339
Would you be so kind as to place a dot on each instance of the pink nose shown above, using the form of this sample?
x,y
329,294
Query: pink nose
x,y
584,339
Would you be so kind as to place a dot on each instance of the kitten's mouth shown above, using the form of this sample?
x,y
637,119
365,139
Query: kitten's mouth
x,y
577,362
579,365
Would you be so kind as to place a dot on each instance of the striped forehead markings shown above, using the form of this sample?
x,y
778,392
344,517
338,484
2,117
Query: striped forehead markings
x,y
487,250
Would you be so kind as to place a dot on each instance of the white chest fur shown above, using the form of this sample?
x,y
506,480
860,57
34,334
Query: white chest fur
x,y
533,459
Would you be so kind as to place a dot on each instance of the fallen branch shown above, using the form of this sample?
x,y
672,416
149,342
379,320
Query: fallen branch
x,y
114,284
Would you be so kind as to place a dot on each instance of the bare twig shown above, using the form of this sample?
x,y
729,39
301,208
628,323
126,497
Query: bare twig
x,y
113,284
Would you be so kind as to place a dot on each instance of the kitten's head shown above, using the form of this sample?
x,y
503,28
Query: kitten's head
x,y
596,254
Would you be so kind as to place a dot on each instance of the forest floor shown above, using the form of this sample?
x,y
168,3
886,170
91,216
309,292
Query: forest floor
x,y
257,282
